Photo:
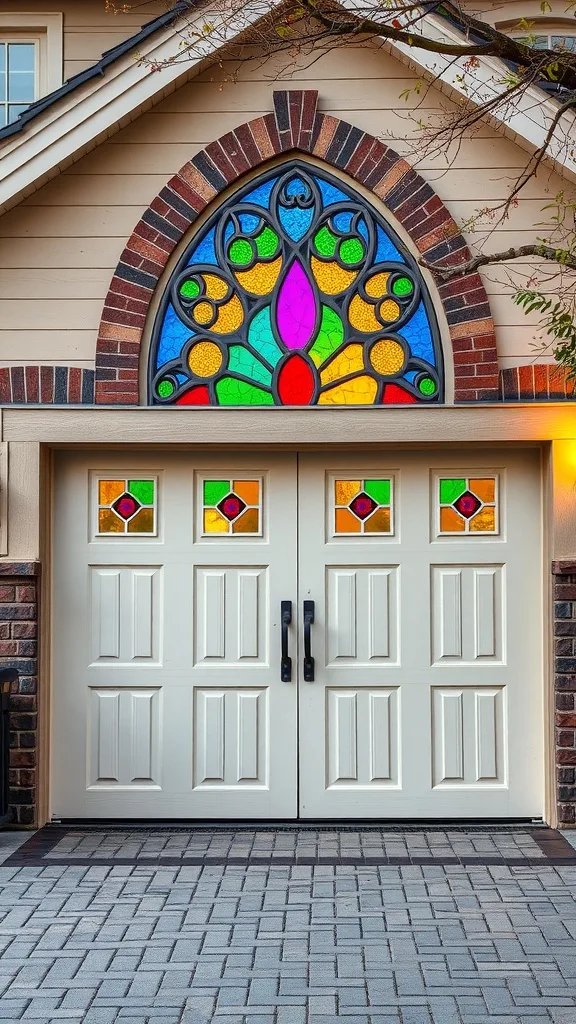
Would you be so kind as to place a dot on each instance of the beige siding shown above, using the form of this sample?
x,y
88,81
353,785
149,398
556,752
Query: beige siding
x,y
68,236
89,29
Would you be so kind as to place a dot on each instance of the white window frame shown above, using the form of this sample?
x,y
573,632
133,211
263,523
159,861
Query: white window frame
x,y
46,31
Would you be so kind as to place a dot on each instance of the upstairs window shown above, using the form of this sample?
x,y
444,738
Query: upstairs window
x,y
30,60
549,40
19,60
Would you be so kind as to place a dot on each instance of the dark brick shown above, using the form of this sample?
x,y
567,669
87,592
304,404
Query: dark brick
x,y
208,171
563,610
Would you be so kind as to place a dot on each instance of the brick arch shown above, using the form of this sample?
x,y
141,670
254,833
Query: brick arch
x,y
295,125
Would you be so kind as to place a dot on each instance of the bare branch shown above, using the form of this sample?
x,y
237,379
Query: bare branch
x,y
543,252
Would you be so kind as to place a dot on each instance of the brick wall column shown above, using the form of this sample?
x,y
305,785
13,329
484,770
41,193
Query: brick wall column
x,y
565,689
19,592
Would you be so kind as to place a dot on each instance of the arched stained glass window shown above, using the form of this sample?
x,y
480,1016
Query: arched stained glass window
x,y
295,292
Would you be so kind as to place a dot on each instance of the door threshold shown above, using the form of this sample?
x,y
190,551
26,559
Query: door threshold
x,y
297,824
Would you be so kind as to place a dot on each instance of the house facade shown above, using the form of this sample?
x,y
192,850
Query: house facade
x,y
287,524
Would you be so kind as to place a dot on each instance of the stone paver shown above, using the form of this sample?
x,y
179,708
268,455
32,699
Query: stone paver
x,y
295,943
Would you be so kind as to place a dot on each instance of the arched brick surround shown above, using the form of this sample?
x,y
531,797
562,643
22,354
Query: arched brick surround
x,y
295,125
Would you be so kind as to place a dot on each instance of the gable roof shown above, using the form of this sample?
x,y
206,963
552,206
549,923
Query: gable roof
x,y
102,99
108,58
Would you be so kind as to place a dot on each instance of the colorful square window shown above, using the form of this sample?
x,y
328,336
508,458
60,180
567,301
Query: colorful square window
x,y
127,506
468,504
363,506
232,507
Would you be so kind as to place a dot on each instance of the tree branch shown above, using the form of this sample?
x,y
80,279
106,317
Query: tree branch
x,y
543,252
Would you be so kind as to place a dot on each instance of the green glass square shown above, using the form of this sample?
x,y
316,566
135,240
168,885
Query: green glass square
x,y
215,490
450,490
379,490
143,490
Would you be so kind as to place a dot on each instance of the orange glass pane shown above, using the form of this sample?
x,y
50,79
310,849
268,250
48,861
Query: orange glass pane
x,y
109,522
248,522
451,522
346,522
484,489
484,521
379,522
248,490
109,490
344,490
142,522
214,522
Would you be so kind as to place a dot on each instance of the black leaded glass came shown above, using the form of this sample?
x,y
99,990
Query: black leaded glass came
x,y
296,292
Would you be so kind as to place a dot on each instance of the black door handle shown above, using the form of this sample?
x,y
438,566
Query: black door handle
x,y
286,662
308,659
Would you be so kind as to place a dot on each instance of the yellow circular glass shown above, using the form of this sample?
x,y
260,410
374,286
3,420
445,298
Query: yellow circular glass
x,y
387,357
205,359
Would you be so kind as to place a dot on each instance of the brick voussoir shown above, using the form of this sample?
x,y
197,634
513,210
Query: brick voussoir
x,y
235,155
247,143
176,202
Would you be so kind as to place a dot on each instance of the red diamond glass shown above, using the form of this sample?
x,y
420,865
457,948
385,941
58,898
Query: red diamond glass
x,y
231,506
126,506
467,504
363,505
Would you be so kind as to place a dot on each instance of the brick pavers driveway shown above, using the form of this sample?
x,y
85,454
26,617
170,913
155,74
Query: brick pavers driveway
x,y
414,927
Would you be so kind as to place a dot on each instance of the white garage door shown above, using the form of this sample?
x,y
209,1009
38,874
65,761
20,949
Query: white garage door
x,y
415,586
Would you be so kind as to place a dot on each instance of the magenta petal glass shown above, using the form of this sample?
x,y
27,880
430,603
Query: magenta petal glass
x,y
296,309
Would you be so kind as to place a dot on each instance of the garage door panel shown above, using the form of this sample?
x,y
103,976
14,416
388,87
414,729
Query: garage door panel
x,y
126,613
363,741
168,700
362,614
468,735
231,615
467,613
231,737
124,737
467,676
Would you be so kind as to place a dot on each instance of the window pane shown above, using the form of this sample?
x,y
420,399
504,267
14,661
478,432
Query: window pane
x,y
2,56
2,117
21,87
14,111
538,42
22,57
564,43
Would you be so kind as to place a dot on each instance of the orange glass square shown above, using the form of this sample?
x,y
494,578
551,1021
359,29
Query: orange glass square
x,y
485,489
346,522
451,522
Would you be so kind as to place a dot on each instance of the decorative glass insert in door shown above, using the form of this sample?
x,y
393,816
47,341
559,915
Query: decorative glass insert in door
x,y
296,292
127,506
468,504
231,506
363,506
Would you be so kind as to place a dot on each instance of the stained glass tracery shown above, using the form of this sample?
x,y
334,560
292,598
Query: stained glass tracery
x,y
127,506
468,504
296,292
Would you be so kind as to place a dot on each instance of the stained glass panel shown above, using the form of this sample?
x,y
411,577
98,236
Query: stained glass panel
x,y
296,292
363,506
468,504
127,506
231,507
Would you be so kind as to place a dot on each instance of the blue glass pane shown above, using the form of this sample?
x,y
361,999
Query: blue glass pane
x,y
419,337
261,195
295,221
181,378
173,336
363,229
204,251
330,194
249,222
296,187
385,248
342,221
411,376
